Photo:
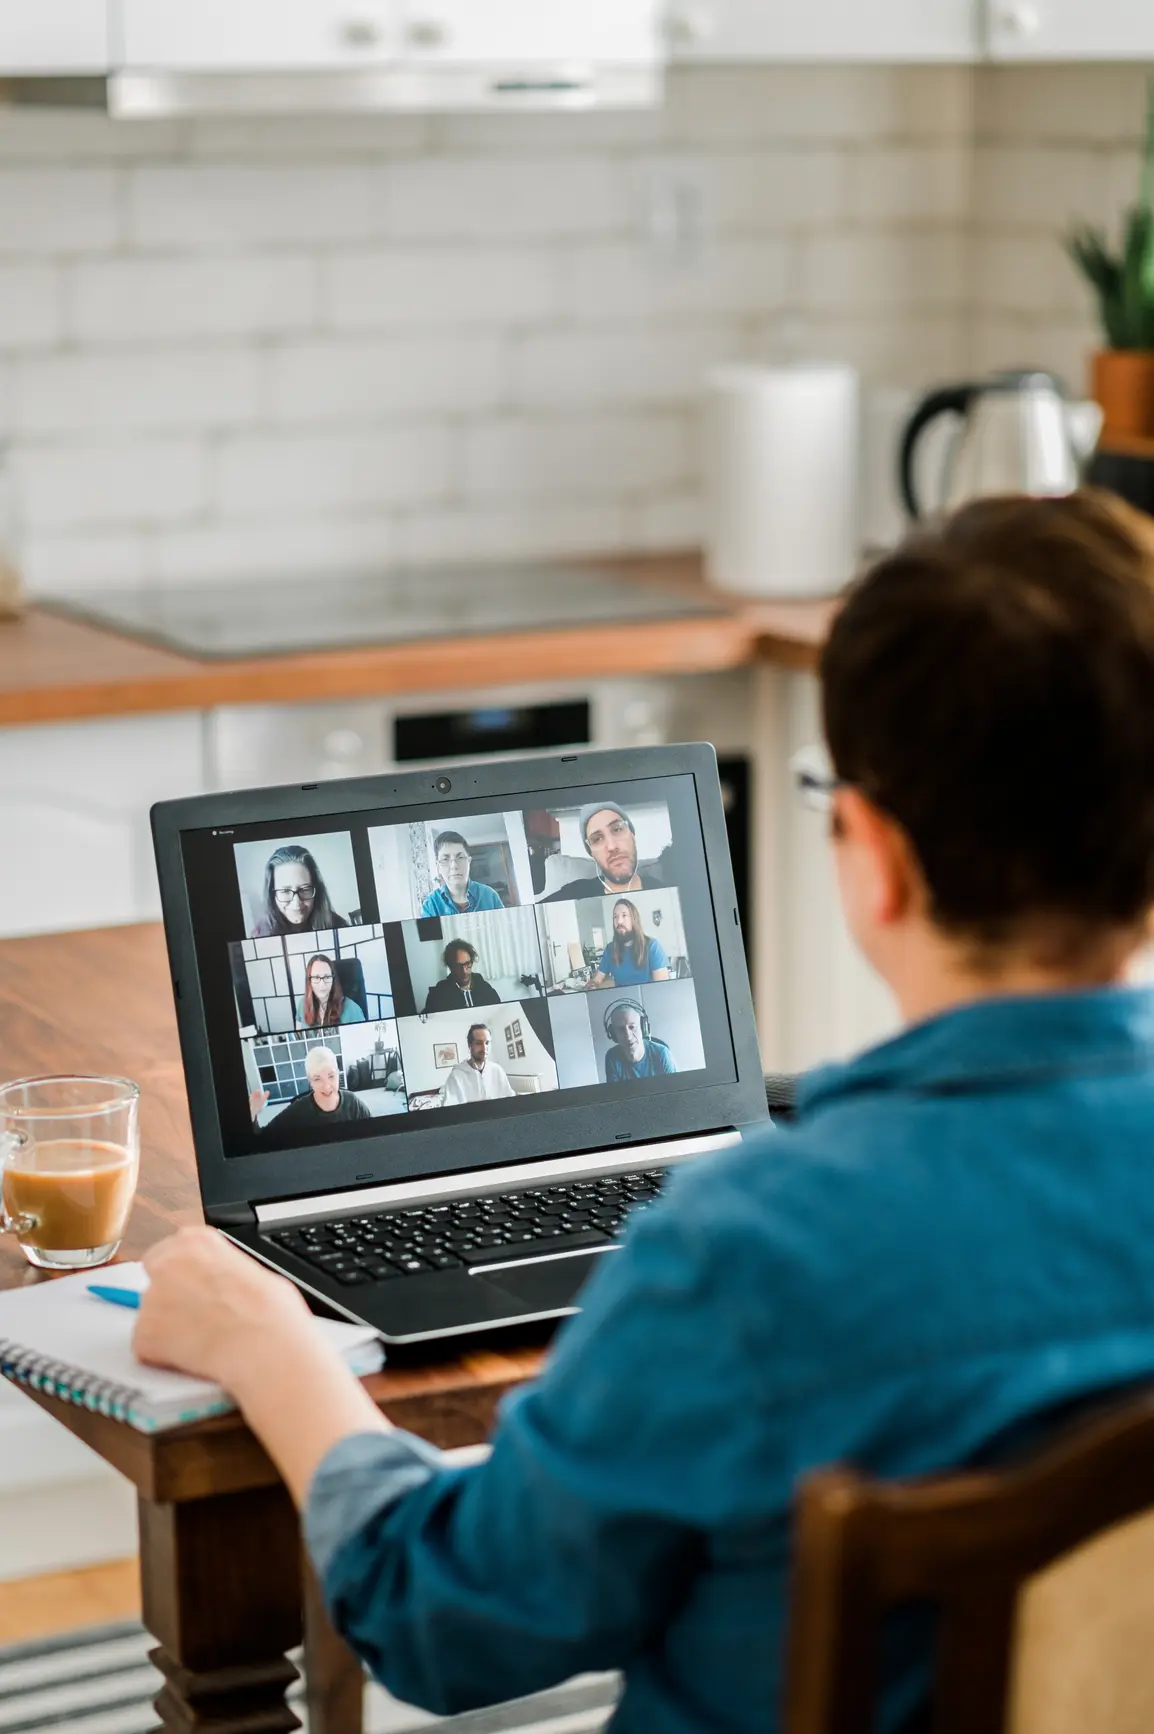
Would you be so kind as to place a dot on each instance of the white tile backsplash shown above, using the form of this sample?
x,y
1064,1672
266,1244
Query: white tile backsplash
x,y
232,345
354,379
261,473
576,454
111,481
148,299
454,284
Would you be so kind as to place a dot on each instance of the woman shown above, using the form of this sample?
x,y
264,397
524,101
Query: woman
x,y
631,958
324,1001
295,899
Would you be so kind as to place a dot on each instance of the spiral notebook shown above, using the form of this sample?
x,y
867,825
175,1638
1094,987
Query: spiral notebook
x,y
62,1340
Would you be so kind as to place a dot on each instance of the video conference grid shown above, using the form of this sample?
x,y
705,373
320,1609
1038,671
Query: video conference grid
x,y
504,963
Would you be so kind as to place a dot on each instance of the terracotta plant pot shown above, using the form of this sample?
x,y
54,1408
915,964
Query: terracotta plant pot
x,y
1122,381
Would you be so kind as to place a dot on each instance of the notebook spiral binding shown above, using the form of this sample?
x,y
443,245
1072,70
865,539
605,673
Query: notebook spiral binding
x,y
58,1379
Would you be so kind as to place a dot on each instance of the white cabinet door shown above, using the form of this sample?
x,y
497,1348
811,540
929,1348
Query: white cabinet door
x,y
1070,29
254,35
824,29
46,36
75,842
514,32
816,998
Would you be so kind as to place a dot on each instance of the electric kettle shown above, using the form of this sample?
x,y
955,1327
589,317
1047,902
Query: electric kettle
x,y
1018,434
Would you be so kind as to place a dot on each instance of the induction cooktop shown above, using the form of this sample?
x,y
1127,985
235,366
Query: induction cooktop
x,y
270,617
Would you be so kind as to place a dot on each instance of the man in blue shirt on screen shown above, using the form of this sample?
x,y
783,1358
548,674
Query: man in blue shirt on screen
x,y
953,1244
457,894
635,1053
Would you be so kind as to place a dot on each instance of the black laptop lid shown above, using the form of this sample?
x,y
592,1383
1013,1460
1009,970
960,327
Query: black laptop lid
x,y
413,975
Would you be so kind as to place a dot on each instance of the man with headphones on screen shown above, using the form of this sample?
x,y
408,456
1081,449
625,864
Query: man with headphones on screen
x,y
637,1053
610,839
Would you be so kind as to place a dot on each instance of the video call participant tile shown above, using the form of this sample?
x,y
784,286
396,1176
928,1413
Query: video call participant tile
x,y
458,866
605,847
301,884
468,962
622,1037
625,941
460,1057
312,981
307,1084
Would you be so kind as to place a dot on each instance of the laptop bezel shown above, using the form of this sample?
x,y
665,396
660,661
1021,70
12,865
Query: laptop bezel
x,y
230,1186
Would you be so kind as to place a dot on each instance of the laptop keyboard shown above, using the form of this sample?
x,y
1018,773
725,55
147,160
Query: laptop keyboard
x,y
468,1231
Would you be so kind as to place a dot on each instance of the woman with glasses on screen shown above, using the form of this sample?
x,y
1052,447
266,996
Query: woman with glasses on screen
x,y
323,1002
295,899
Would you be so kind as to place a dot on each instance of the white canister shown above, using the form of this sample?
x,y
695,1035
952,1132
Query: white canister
x,y
781,457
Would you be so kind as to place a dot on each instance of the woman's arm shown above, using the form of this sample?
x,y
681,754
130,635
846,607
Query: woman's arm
x,y
571,1548
212,1311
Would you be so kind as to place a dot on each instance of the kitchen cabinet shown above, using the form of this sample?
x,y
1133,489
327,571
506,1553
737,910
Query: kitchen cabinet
x,y
75,843
527,31
720,30
268,35
1069,29
253,35
816,998
53,36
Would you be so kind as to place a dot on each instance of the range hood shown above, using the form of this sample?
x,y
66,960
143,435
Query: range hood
x,y
169,57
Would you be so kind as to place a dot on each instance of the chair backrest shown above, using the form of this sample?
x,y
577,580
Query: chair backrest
x,y
352,974
1041,1578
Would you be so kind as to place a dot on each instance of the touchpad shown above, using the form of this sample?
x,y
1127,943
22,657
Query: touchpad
x,y
546,1283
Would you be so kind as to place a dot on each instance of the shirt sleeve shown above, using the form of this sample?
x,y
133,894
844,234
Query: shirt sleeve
x,y
658,956
572,1546
605,966
358,1478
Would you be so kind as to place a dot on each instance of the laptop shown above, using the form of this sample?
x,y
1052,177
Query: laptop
x,y
443,1033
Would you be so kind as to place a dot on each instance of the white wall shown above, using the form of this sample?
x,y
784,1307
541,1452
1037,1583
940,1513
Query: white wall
x,y
1052,144
236,346
247,346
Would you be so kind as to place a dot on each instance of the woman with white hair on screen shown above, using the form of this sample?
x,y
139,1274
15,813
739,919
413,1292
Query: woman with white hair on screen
x,y
324,1103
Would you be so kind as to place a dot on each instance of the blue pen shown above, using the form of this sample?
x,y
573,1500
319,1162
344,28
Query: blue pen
x,y
120,1297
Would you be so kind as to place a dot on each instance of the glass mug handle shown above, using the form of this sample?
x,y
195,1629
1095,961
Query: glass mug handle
x,y
10,1142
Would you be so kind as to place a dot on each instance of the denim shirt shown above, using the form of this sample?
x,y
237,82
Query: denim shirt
x,y
957,1235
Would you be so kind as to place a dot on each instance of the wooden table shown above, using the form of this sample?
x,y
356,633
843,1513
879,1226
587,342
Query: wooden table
x,y
224,1587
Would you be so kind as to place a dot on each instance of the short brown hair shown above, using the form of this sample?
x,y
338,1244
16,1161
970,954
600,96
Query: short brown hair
x,y
990,685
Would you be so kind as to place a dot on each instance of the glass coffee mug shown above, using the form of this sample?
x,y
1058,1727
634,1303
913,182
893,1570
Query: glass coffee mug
x,y
69,1158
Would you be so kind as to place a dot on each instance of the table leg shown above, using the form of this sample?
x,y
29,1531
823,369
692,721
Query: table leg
x,y
221,1589
334,1678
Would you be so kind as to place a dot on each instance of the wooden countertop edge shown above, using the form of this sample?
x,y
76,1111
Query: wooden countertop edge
x,y
693,644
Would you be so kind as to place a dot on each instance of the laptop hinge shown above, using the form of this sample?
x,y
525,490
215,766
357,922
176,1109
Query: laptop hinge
x,y
240,1214
546,1172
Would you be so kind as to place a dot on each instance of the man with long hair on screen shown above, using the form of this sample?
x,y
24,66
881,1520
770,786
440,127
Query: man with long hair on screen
x,y
631,957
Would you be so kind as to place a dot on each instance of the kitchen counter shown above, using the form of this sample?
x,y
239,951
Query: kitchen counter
x,y
55,669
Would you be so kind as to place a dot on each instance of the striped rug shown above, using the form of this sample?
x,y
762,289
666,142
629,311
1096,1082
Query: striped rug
x,y
100,1681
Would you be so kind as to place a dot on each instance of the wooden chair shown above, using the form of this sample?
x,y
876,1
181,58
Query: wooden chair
x,y
1041,1577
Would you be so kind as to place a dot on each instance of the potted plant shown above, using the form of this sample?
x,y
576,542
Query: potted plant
x,y
1122,374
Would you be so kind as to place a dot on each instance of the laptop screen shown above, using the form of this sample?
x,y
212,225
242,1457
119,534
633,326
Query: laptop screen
x,y
372,973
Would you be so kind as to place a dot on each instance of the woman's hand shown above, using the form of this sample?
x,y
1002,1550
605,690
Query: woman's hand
x,y
213,1311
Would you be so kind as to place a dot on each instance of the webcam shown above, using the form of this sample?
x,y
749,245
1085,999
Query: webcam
x,y
443,785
